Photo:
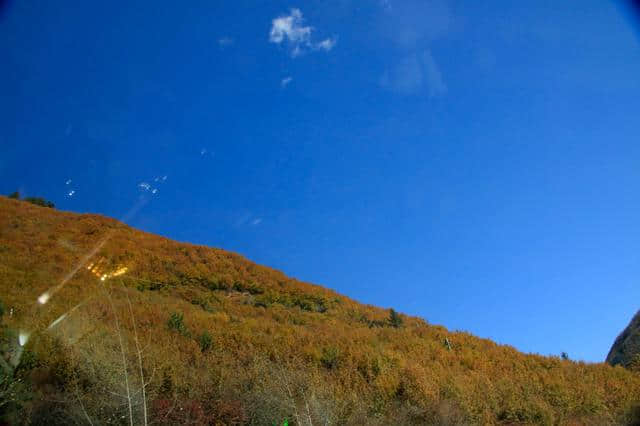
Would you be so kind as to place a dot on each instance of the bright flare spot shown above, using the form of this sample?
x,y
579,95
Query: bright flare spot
x,y
44,298
23,338
119,272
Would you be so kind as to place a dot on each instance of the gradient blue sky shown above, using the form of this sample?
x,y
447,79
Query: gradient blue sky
x,y
473,163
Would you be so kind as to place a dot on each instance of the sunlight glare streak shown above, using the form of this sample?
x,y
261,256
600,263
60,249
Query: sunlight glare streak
x,y
66,314
57,321
23,337
44,298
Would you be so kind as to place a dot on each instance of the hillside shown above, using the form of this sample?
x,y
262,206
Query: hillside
x,y
151,330
626,348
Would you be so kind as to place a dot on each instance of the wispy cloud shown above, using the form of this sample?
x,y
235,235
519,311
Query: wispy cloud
x,y
413,25
291,30
433,76
247,219
326,44
414,74
285,82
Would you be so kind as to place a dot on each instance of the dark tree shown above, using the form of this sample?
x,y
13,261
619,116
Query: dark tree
x,y
39,201
395,320
15,195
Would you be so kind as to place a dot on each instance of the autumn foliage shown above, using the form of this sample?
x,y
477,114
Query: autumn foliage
x,y
196,335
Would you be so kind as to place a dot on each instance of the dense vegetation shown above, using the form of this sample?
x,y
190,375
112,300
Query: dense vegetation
x,y
625,350
38,201
151,330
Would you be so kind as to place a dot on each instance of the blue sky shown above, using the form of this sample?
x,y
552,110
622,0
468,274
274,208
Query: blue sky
x,y
472,164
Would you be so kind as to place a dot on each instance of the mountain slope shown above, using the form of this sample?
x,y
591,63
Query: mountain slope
x,y
106,324
626,348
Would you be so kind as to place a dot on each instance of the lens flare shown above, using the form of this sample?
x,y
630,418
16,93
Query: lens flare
x,y
23,337
44,298
57,321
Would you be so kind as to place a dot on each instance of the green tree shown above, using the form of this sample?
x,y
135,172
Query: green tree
x,y
15,195
395,320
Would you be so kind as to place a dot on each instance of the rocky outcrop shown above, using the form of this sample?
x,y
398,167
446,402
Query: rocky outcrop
x,y
627,345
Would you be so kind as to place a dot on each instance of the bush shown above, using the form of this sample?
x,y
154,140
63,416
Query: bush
x,y
39,201
330,357
205,341
263,302
250,288
176,322
213,284
203,303
634,363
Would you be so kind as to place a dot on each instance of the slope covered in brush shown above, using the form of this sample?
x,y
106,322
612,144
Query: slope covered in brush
x,y
625,350
106,324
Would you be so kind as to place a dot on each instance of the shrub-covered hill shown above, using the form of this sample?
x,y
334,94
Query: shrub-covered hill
x,y
104,324
625,350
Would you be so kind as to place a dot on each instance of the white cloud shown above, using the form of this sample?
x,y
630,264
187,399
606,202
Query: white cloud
x,y
256,221
326,44
285,81
290,29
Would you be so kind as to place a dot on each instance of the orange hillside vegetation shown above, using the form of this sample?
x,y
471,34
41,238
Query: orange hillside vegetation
x,y
152,330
